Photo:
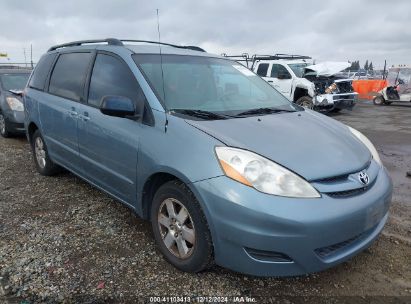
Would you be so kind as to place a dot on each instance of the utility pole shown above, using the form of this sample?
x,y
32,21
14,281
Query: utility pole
x,y
25,59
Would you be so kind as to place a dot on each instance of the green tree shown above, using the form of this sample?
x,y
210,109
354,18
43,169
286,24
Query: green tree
x,y
355,65
371,67
366,65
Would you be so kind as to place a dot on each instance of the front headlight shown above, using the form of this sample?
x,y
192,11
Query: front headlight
x,y
15,104
367,143
262,174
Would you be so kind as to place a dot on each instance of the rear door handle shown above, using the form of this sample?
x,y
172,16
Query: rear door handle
x,y
270,81
72,112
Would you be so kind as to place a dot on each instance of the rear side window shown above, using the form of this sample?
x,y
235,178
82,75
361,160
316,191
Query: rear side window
x,y
111,76
38,80
67,79
262,69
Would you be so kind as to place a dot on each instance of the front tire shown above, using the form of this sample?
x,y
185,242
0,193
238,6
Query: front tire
x,y
306,102
180,228
379,100
4,126
44,164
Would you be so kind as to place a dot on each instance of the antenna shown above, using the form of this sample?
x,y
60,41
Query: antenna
x,y
31,55
161,54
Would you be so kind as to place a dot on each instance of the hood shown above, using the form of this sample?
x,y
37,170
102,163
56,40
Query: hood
x,y
310,144
328,68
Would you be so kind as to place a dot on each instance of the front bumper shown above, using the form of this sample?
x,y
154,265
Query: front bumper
x,y
266,235
15,121
335,101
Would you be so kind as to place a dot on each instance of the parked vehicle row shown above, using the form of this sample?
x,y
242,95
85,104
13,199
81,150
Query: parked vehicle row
x,y
12,83
226,168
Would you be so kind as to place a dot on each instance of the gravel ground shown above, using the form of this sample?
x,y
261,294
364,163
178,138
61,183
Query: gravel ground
x,y
61,240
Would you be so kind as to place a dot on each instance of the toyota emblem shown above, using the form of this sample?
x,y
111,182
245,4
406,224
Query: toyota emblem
x,y
363,178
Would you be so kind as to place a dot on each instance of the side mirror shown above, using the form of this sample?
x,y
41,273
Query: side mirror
x,y
117,106
283,76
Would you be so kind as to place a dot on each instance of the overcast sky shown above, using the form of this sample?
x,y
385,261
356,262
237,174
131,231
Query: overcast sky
x,y
326,30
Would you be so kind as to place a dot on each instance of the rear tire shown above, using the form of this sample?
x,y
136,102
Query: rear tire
x,y
44,164
4,126
306,102
379,100
180,228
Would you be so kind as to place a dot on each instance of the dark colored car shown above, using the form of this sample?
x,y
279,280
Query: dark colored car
x,y
12,83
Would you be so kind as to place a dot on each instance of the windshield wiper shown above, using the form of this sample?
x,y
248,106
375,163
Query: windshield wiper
x,y
263,111
201,114
17,92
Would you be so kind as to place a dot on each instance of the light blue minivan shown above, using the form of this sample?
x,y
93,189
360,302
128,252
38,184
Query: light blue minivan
x,y
227,170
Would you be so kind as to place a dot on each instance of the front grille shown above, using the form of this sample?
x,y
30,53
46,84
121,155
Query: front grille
x,y
347,193
345,87
349,97
326,252
333,179
329,184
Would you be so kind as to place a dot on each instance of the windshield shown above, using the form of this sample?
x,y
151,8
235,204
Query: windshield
x,y
208,84
298,68
400,77
14,81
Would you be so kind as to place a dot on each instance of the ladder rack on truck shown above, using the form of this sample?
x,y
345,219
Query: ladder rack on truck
x,y
245,57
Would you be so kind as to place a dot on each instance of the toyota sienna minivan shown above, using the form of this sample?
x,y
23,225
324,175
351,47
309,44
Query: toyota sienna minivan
x,y
227,169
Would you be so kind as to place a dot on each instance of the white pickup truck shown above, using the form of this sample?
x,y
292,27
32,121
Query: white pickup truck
x,y
314,86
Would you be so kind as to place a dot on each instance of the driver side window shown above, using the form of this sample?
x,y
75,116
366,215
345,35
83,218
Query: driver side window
x,y
111,76
278,69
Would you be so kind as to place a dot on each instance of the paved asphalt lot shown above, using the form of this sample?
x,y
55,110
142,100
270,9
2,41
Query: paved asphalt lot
x,y
63,240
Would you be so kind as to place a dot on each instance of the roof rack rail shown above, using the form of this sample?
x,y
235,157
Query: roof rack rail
x,y
244,57
257,57
189,47
279,56
109,41
119,42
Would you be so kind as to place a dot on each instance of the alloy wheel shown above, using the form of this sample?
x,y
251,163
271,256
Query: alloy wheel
x,y
40,152
176,228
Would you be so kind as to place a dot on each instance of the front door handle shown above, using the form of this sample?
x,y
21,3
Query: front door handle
x,y
270,81
85,116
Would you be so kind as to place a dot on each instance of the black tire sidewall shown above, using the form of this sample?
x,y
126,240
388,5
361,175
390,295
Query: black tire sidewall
x,y
6,133
301,100
201,258
379,103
